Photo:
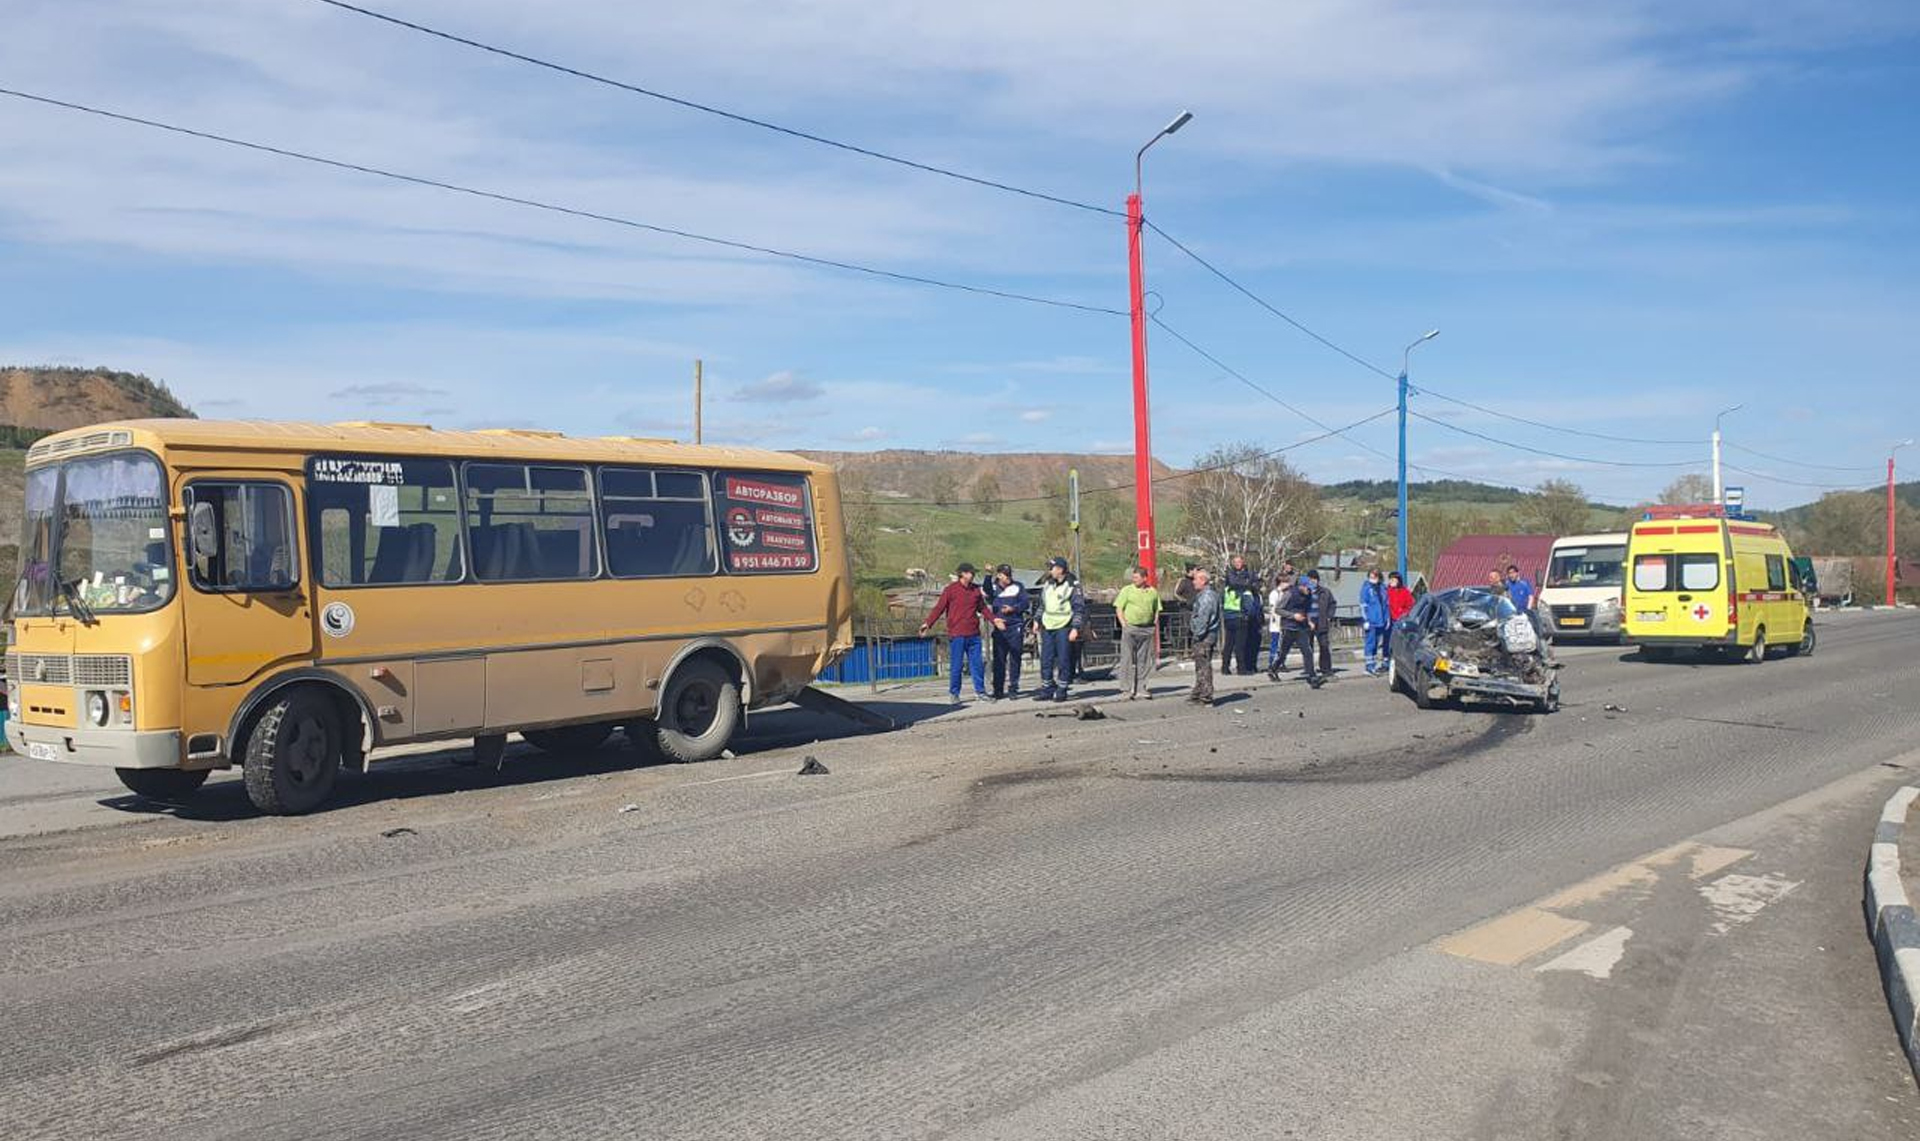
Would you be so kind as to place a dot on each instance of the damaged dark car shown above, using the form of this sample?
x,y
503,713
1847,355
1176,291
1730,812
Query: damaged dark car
x,y
1473,647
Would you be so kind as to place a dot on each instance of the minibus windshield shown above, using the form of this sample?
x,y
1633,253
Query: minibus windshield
x,y
96,538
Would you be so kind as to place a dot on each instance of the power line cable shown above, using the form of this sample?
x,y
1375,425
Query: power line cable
x,y
1795,463
1174,478
709,109
554,208
1546,452
1761,475
1376,369
1229,370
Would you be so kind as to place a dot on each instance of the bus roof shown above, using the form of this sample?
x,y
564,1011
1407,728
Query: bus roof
x,y
379,438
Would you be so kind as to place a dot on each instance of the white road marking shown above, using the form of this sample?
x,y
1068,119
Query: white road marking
x,y
1594,958
1736,899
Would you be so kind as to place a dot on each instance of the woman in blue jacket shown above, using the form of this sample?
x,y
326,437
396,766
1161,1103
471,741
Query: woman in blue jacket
x,y
1374,613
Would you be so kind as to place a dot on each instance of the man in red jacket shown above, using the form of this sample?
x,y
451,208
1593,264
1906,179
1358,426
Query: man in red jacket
x,y
962,604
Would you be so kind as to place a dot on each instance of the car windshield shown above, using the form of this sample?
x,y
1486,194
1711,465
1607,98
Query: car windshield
x,y
1587,566
95,538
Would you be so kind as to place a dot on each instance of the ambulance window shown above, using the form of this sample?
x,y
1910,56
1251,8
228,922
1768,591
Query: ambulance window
x,y
1699,572
1776,573
1652,572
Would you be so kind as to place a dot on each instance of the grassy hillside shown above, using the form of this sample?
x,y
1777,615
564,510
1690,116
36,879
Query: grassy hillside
x,y
57,398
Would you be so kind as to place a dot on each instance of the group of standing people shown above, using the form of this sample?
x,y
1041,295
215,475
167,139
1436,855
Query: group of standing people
x,y
1227,617
1055,617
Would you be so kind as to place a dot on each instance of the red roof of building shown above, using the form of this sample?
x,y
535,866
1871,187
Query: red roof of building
x,y
1467,560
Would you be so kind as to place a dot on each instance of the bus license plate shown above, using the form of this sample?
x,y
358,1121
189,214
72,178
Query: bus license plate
x,y
1573,622
40,751
1652,616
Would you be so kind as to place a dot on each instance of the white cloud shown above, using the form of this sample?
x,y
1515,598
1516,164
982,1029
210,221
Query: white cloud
x,y
867,435
780,388
1036,415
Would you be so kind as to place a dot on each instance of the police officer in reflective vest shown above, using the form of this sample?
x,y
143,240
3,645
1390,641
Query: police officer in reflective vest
x,y
1062,617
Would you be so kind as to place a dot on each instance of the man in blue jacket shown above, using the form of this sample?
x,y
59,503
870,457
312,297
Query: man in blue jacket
x,y
1376,616
1519,589
1007,607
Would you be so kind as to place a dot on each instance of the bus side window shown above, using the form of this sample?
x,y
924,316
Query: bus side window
x,y
659,524
384,522
256,551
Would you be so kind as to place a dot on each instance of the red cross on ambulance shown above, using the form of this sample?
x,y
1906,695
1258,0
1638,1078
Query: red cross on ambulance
x,y
1702,612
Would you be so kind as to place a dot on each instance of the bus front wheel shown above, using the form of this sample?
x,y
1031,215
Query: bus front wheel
x,y
698,712
167,786
293,754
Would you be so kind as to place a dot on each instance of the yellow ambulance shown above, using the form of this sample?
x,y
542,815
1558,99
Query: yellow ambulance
x,y
1700,579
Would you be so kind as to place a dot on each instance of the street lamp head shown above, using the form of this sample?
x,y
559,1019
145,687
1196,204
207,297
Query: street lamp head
x,y
1430,334
1185,118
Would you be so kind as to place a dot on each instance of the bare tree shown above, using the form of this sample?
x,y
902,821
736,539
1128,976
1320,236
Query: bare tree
x,y
1245,501
986,494
1689,488
1556,507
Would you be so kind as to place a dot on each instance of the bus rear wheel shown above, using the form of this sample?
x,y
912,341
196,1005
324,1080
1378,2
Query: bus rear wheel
x,y
168,786
568,738
293,754
698,712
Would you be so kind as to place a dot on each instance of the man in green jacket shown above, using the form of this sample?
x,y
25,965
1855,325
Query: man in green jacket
x,y
1138,608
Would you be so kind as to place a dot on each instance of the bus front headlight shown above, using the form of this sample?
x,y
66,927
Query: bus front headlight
x,y
97,708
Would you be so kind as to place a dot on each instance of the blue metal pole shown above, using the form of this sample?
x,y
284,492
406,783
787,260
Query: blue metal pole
x,y
1402,537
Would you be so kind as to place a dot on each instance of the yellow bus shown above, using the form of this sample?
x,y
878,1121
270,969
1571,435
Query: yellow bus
x,y
288,598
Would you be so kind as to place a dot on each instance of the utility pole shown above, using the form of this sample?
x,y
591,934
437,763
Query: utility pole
x,y
1147,554
696,399
1073,515
1400,535
1720,488
1893,560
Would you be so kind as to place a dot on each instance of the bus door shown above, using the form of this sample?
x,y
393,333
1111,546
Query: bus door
x,y
247,606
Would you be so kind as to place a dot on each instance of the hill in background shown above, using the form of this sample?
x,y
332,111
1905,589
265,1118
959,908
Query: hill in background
x,y
55,399
908,474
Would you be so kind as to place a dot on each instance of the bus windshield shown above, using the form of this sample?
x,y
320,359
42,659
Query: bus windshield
x,y
95,538
1587,566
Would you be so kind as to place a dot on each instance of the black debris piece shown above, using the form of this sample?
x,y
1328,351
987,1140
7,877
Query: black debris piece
x,y
402,831
813,768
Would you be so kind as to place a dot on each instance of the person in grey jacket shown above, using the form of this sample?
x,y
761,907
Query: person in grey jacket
x,y
1204,624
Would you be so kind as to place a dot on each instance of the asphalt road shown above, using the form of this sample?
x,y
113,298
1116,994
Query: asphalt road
x,y
1300,914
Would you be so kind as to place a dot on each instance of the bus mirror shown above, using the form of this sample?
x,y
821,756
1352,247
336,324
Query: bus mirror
x,y
203,534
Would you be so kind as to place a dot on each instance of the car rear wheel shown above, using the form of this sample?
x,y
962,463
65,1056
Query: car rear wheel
x,y
168,786
1758,652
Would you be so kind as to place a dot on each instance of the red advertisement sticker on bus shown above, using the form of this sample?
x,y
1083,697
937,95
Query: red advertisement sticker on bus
x,y
755,491
783,540
781,519
752,561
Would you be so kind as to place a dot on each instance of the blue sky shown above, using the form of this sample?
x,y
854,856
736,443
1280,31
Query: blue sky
x,y
1623,216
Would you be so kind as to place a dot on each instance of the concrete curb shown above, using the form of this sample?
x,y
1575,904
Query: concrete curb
x,y
1893,925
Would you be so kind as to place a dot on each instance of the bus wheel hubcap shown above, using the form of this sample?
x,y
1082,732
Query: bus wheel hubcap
x,y
696,709
306,751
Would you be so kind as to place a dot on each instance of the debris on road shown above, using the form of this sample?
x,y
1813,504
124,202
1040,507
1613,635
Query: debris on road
x,y
625,808
1080,712
726,754
813,768
1610,707
390,833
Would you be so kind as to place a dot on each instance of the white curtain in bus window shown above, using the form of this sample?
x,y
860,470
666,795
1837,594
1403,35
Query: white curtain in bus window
x,y
529,523
384,522
767,521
